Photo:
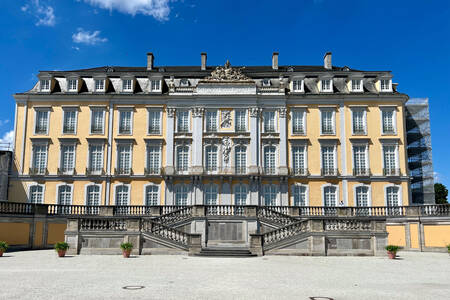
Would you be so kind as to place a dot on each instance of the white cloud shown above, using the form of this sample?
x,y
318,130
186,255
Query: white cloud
x,y
159,9
44,13
6,142
87,37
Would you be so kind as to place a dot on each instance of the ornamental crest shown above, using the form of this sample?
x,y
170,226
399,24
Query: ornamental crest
x,y
227,73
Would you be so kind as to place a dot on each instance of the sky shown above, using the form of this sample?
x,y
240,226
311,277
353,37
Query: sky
x,y
409,38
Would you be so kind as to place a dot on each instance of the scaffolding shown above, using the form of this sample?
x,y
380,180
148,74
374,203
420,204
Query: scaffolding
x,y
420,163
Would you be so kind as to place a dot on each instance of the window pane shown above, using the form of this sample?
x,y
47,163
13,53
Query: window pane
x,y
211,158
298,122
96,158
151,195
67,158
124,155
327,122
299,195
269,160
211,194
329,196
182,158
241,159
269,121
153,159
240,116
183,121
240,194
154,121
41,121
97,121
270,195
298,158
39,158
211,120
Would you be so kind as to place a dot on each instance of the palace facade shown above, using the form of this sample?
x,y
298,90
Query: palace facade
x,y
179,135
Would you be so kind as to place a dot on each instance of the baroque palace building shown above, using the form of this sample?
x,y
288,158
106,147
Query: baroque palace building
x,y
179,135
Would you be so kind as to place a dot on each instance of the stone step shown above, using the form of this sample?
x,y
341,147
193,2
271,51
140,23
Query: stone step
x,y
226,252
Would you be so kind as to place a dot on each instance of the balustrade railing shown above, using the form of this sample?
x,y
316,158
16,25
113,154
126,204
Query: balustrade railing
x,y
103,224
175,216
165,232
317,210
224,210
285,232
267,213
345,225
435,210
58,209
16,208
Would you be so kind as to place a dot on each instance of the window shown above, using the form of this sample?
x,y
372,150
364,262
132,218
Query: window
x,y
125,121
327,121
360,160
269,121
390,159
240,194
127,85
240,153
211,158
93,198
184,82
392,196
64,198
211,120
240,120
266,82
151,195
154,121
299,193
385,85
45,85
328,160
270,195
298,122
124,159
269,160
297,85
362,196
155,85
182,158
329,196
182,121
95,159
67,159
99,85
72,85
153,159
36,194
359,121
357,85
211,194
181,194
97,121
326,85
39,164
122,195
42,120
70,121
299,160
388,116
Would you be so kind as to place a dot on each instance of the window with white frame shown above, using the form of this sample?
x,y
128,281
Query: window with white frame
x,y
297,85
151,195
181,194
270,160
359,121
299,193
97,120
122,195
360,161
211,158
72,85
385,85
328,160
357,85
330,196
298,121
388,120
67,158
211,120
182,121
327,122
127,85
42,120
99,85
390,159
153,159
240,159
240,116
124,158
93,195
362,196
95,158
392,196
211,194
65,194
269,121
299,159
154,121
155,85
240,194
70,121
45,85
182,158
270,194
326,85
125,121
39,164
36,194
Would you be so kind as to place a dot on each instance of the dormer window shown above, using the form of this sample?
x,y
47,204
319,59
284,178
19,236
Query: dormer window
x,y
99,85
357,85
266,82
326,85
72,85
297,85
184,82
45,85
385,85
155,85
127,85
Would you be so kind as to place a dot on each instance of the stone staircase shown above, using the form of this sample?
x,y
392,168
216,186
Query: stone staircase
x,y
225,252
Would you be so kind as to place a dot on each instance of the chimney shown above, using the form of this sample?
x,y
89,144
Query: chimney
x,y
275,61
327,61
150,59
203,61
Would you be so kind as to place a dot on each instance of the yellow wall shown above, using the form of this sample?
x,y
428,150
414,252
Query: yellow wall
x,y
414,235
436,235
15,233
55,233
38,233
396,235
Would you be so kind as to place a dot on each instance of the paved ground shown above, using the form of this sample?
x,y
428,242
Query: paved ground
x,y
41,275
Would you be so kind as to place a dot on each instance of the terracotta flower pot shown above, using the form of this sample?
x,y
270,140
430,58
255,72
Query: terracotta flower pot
x,y
1,252
62,253
392,254
126,253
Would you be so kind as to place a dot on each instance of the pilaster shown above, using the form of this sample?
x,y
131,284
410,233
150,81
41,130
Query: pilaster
x,y
283,168
169,168
197,140
254,140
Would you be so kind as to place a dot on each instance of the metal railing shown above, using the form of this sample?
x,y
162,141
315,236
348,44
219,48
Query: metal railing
x,y
361,172
298,171
329,172
123,171
38,171
391,172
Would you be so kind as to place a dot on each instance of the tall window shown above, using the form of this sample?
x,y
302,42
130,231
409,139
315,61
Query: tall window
x,y
97,121
240,194
299,160
181,194
153,159
329,196
240,120
45,85
270,195
211,158
124,159
93,195
357,85
151,195
125,121
64,195
328,160
269,121
127,85
390,160
70,121
72,85
99,85
297,85
211,194
385,85
360,160
182,158
154,122
155,85
42,117
326,85
359,121
39,159
269,160
327,121
392,196
298,122
95,158
240,153
67,159
387,116
299,192
182,121
122,195
362,196
36,194
211,120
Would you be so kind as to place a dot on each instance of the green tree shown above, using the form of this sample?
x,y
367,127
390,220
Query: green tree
x,y
440,193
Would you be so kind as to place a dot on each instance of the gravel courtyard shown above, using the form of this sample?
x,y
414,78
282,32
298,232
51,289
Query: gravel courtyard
x,y
41,275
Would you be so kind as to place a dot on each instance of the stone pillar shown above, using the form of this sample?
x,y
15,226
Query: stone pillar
x,y
283,168
256,244
133,235
169,167
254,191
169,193
197,140
226,193
195,243
106,211
250,211
72,236
198,191
254,142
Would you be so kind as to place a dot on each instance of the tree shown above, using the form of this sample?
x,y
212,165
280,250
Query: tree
x,y
440,193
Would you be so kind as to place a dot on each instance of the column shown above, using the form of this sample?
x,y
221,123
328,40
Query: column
x,y
198,190
283,168
343,142
197,140
254,129
169,167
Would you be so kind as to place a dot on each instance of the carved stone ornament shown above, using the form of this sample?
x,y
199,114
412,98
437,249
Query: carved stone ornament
x,y
227,73
226,119
197,112
171,84
226,143
171,112
254,111
283,112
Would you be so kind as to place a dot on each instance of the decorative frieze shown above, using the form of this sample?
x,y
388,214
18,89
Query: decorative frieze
x,y
197,112
254,112
171,112
226,119
226,144
283,112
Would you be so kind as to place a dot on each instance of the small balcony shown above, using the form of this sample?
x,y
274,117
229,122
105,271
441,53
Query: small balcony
x,y
361,172
391,172
298,172
240,129
152,171
38,171
68,129
40,130
94,172
96,130
66,171
124,130
359,131
123,171
154,130
268,171
329,172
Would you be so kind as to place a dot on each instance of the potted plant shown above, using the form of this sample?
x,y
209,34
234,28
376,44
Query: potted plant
x,y
392,251
126,249
448,249
61,248
3,247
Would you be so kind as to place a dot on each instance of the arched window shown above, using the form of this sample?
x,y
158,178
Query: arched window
x,y
240,159
93,198
362,196
182,158
151,195
392,196
181,194
122,198
270,195
269,160
211,158
329,196
36,194
299,193
64,195
211,194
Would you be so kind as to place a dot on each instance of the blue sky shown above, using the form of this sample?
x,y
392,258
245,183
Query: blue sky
x,y
410,38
